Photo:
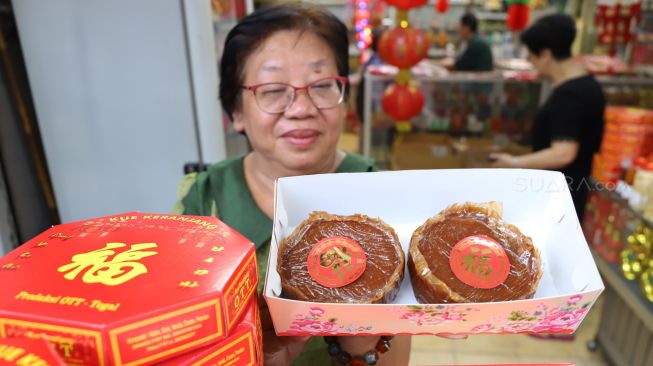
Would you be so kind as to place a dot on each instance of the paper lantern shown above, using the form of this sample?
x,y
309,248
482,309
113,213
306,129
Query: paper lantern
x,y
517,16
402,102
442,6
403,47
406,4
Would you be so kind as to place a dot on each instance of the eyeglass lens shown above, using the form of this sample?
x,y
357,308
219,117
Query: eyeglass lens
x,y
276,98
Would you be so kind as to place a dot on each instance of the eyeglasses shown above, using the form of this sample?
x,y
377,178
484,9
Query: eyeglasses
x,y
276,98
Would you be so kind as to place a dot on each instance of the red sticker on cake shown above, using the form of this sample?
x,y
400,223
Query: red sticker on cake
x,y
336,261
479,261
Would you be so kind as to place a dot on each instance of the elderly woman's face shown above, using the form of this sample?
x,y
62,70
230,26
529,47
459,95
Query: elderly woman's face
x,y
303,136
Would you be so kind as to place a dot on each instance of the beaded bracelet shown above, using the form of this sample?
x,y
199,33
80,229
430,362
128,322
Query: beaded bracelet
x,y
369,358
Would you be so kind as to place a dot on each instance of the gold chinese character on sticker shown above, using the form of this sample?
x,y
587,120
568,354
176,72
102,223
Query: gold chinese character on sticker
x,y
189,284
209,260
201,272
478,264
217,249
25,255
111,272
40,245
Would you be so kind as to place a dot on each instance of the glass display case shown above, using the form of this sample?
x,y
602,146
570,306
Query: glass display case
x,y
498,106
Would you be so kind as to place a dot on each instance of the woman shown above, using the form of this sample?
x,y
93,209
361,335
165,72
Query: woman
x,y
283,80
568,128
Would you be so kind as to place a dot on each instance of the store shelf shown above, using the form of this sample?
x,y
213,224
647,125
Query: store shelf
x,y
622,336
624,80
625,331
612,195
628,290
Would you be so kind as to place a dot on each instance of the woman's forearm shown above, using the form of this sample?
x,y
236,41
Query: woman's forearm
x,y
550,158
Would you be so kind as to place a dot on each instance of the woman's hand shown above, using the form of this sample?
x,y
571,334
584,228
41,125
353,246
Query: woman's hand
x,y
281,351
278,351
503,160
452,336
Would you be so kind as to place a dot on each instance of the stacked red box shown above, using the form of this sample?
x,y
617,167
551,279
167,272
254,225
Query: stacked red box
x,y
243,347
28,352
628,134
130,289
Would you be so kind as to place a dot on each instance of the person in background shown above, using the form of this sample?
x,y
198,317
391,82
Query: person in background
x,y
283,80
477,55
568,128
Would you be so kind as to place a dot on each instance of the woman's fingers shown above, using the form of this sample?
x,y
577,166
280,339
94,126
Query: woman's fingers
x,y
452,336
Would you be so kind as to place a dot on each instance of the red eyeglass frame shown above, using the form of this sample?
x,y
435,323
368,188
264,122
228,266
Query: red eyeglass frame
x,y
342,79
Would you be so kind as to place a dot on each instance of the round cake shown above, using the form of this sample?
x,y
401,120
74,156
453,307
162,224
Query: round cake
x,y
467,253
341,259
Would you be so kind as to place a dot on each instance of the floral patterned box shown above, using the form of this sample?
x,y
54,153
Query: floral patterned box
x,y
537,202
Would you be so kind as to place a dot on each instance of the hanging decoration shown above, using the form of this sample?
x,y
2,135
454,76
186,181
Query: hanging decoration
x,y
614,21
406,5
365,18
441,6
402,101
403,47
362,24
518,12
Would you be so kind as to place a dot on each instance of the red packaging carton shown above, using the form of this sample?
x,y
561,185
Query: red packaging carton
x,y
130,289
28,352
244,347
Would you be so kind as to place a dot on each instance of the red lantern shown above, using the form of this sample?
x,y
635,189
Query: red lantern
x,y
402,102
442,6
403,47
406,4
517,17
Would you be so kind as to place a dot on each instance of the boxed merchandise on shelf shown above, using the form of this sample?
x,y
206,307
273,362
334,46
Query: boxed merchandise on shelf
x,y
537,202
604,225
128,289
628,134
621,236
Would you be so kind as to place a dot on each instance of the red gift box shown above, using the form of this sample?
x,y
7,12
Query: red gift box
x,y
26,352
130,289
244,347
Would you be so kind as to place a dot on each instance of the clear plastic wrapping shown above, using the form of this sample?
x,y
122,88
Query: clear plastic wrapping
x,y
384,267
431,246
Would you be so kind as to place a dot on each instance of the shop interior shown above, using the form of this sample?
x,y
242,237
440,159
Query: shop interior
x,y
104,106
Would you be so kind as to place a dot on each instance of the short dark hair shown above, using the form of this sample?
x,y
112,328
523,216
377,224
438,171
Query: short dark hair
x,y
553,32
469,20
255,28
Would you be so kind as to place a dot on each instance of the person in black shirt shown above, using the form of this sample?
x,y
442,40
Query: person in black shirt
x,y
568,128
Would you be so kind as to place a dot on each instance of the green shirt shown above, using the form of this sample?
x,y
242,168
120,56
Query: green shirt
x,y
221,191
477,56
